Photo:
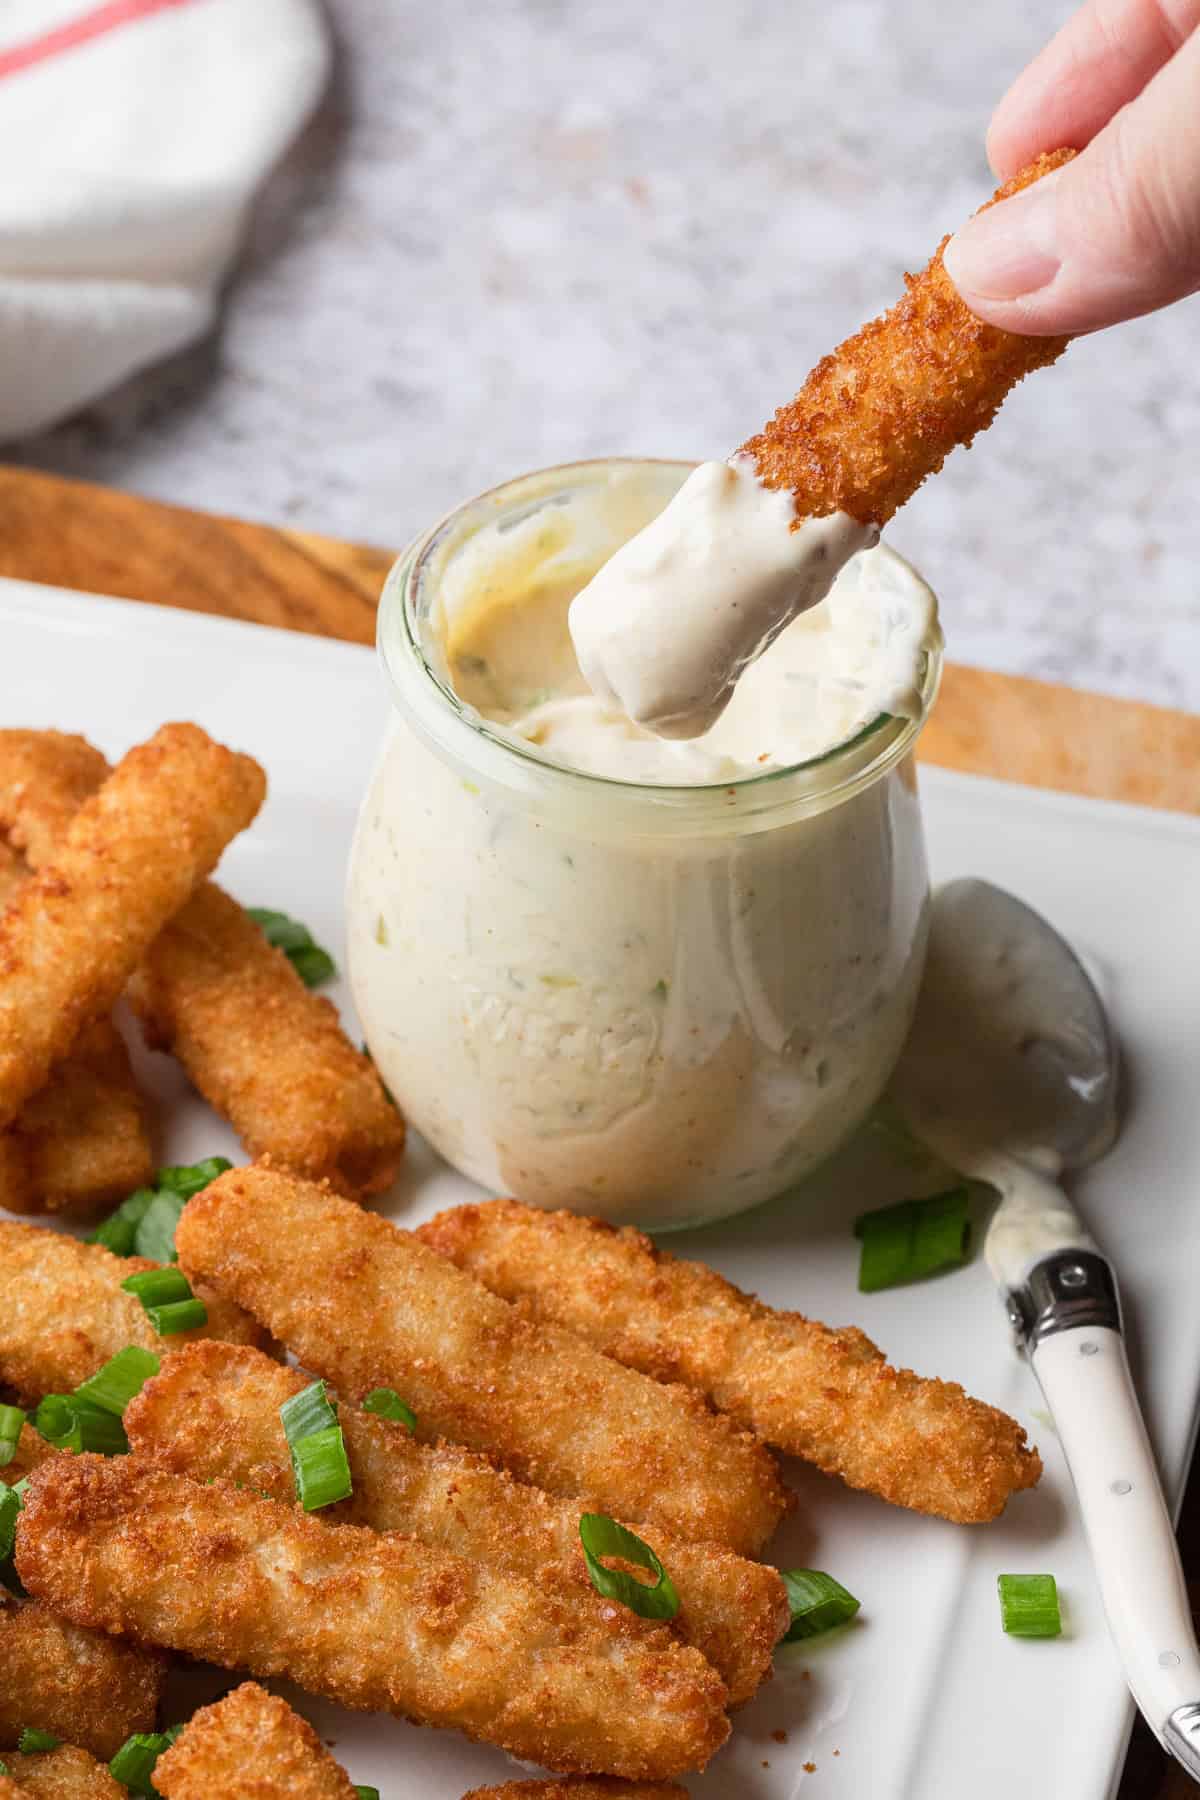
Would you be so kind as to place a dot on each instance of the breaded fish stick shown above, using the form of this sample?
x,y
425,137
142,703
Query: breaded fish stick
x,y
825,1395
67,1773
267,1053
367,1305
129,859
214,1410
889,405
250,1746
32,1449
81,1143
373,1620
587,1787
81,1685
63,1313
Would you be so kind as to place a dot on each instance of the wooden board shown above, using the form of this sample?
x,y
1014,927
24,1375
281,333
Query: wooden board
x,y
72,535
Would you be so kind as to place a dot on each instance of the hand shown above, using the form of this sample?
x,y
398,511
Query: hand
x,y
1116,232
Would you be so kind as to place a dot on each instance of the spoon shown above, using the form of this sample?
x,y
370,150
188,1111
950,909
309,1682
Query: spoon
x,y
1010,1074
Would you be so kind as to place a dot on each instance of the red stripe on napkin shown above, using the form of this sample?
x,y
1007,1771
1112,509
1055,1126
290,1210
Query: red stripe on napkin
x,y
94,24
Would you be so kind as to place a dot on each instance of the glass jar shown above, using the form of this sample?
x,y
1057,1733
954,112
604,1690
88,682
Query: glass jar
x,y
658,1005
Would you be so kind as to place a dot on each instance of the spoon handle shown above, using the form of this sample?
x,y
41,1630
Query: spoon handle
x,y
1084,1374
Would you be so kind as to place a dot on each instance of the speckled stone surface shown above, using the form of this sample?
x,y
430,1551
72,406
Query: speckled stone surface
x,y
543,229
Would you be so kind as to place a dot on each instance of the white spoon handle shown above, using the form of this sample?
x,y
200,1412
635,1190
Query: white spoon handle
x,y
1085,1377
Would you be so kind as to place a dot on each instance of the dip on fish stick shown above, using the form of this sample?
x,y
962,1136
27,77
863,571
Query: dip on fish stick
x,y
67,1773
372,1620
264,1050
368,1305
825,1395
669,623
214,1410
63,1312
250,1744
129,859
81,1142
83,1686
586,1787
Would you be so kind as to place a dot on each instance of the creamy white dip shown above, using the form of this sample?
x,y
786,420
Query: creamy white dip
x,y
652,1004
666,628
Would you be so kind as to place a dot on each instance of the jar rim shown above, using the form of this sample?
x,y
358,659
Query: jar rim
x,y
831,775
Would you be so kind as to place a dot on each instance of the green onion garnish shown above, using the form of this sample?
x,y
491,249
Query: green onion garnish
x,y
1029,1605
321,1468
366,1793
11,1421
167,1300
319,1462
134,1762
388,1404
123,1375
311,963
602,1536
72,1424
31,1742
818,1603
912,1239
144,1224
10,1507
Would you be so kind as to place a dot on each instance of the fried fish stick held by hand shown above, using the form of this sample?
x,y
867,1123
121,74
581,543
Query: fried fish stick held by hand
x,y
267,1053
884,411
213,1410
129,859
250,1746
63,1312
67,1773
587,1787
367,1305
825,1395
372,1620
81,1142
80,1685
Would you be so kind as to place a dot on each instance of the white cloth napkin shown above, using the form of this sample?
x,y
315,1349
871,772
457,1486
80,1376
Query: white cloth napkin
x,y
133,135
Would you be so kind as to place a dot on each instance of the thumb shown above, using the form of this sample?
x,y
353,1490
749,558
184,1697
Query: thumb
x,y
1110,235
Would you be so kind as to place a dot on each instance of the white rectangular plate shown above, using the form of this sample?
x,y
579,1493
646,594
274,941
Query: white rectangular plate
x,y
923,1698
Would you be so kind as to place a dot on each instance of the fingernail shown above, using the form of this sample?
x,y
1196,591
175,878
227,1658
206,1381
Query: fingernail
x,y
1009,250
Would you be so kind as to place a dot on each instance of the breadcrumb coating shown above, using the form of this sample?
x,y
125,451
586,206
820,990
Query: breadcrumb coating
x,y
827,1396
250,1746
81,1685
373,1620
368,1305
214,1411
67,1773
886,408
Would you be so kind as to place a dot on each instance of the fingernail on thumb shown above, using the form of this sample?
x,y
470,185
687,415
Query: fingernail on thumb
x,y
1008,250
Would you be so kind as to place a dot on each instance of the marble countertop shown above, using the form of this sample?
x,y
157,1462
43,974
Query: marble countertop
x,y
534,231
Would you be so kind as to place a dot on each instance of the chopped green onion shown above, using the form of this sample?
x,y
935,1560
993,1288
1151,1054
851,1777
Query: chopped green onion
x,y
366,1793
3,1766
123,1375
158,1287
134,1762
818,1603
311,963
183,1315
10,1507
31,1742
321,1468
144,1224
602,1536
319,1461
186,1179
1029,1605
912,1239
11,1421
72,1424
118,1232
388,1404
